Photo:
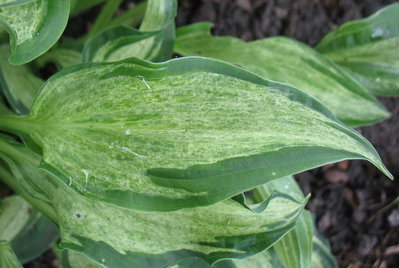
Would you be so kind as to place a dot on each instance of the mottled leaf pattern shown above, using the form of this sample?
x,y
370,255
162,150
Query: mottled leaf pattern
x,y
294,249
188,132
288,61
119,237
153,41
34,26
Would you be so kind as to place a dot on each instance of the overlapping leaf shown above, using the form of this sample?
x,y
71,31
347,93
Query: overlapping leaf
x,y
291,62
368,48
34,26
30,233
188,132
295,249
66,54
18,83
7,256
322,257
119,237
153,41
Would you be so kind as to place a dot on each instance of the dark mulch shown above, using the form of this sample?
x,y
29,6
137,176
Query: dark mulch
x,y
355,205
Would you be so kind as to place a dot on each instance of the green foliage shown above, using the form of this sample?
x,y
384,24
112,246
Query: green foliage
x,y
34,26
138,160
25,227
288,61
367,48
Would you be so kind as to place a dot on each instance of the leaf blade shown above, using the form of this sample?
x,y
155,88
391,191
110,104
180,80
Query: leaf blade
x,y
367,48
241,126
36,32
295,248
153,41
288,61
18,83
7,256
119,237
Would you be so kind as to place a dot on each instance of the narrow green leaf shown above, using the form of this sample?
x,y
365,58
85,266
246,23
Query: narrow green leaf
x,y
79,6
288,61
187,132
131,17
7,256
294,249
368,48
3,107
18,83
34,26
154,40
322,257
104,17
119,237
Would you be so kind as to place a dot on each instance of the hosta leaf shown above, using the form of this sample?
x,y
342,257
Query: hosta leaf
x,y
7,256
289,61
154,40
18,83
266,259
118,43
322,257
3,108
15,213
34,26
66,54
78,6
73,259
30,233
368,48
295,248
119,237
188,132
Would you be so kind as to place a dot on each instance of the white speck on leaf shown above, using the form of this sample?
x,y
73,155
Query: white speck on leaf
x,y
123,148
86,173
144,81
128,131
377,33
274,173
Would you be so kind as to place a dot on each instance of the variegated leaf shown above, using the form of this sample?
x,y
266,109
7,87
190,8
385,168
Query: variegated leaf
x,y
294,249
153,41
185,133
34,26
368,48
288,61
118,237
18,83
